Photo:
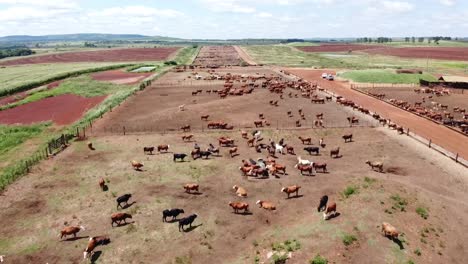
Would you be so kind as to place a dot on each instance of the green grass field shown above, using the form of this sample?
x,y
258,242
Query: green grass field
x,y
13,136
11,77
289,56
384,76
83,85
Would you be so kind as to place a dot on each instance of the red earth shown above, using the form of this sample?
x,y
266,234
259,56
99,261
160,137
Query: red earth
x,y
120,77
337,47
62,110
439,134
442,53
134,54
19,96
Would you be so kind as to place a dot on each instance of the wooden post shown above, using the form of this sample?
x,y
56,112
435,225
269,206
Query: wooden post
x,y
124,130
430,142
407,131
84,133
456,158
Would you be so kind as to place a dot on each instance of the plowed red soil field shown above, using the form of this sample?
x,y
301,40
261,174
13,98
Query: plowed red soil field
x,y
337,47
120,77
135,54
62,110
442,53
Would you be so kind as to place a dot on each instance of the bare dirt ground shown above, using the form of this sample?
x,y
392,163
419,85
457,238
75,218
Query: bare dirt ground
x,y
141,113
215,56
120,77
62,110
439,134
133,54
440,53
456,99
64,190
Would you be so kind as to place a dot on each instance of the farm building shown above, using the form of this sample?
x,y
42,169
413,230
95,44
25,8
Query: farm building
x,y
453,79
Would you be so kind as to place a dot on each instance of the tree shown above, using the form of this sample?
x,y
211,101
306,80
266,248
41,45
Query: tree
x,y
407,39
413,39
421,39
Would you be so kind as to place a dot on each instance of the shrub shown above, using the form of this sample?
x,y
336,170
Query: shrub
x,y
399,202
349,239
350,190
417,252
422,212
279,258
170,63
318,260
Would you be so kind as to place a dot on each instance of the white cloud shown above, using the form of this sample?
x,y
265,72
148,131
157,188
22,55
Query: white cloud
x,y
55,4
448,2
397,6
136,11
16,14
234,6
264,15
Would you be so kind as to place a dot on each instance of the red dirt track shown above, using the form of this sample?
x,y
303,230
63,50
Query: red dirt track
x,y
337,47
114,55
439,134
442,53
120,77
62,110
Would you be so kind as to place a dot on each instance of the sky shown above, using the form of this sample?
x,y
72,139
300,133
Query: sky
x,y
231,19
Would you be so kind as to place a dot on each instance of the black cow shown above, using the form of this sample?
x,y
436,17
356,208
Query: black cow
x,y
123,199
311,150
205,154
186,221
323,203
148,149
179,156
172,212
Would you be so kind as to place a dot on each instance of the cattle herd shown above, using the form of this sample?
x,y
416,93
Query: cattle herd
x,y
261,168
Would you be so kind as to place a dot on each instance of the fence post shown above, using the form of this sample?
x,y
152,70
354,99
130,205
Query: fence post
x,y
456,158
124,130
407,132
84,132
430,143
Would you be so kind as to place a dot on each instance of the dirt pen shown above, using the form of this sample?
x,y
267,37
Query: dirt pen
x,y
111,55
422,194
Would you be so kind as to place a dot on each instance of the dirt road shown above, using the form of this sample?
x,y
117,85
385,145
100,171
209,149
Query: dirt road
x,y
440,135
246,57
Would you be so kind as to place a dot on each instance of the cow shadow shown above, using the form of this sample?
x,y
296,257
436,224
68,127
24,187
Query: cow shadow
x,y
190,229
150,154
235,155
124,224
398,242
194,193
166,152
337,157
294,197
172,221
243,213
96,256
75,238
105,188
128,205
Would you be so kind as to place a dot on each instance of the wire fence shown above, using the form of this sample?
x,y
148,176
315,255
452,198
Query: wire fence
x,y
127,129
428,142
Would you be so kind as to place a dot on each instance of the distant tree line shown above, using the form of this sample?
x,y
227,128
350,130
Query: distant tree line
x,y
15,51
376,40
429,39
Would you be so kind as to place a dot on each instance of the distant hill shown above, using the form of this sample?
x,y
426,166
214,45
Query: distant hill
x,y
80,37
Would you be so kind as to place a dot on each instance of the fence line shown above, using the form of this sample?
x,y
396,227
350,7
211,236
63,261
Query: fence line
x,y
125,129
383,85
441,150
